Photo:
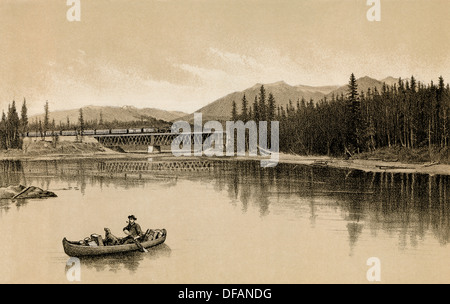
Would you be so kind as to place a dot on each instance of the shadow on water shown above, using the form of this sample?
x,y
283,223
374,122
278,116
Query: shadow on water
x,y
129,261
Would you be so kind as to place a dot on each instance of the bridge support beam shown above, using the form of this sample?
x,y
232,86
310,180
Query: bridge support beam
x,y
154,149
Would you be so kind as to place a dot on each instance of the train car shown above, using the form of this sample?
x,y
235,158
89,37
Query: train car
x,y
165,130
33,134
149,130
119,131
88,132
135,131
51,133
102,132
69,133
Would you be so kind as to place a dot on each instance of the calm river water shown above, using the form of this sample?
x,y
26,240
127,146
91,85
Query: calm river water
x,y
227,222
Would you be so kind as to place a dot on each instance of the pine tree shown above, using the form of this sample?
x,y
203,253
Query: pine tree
x,y
442,113
271,108
81,121
352,94
262,104
24,117
353,134
46,117
234,114
13,127
244,112
3,135
256,113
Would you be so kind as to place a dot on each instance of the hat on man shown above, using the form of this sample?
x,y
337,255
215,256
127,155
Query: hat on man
x,y
132,217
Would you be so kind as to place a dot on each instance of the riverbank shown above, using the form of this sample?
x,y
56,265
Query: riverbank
x,y
378,161
45,150
368,165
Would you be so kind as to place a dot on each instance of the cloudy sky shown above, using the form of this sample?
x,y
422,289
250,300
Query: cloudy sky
x,y
183,54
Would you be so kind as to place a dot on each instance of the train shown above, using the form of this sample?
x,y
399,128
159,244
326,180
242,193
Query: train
x,y
97,132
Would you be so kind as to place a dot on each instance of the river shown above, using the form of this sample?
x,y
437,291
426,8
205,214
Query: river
x,y
228,222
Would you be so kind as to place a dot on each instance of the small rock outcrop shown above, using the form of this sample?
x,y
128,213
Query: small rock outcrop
x,y
22,192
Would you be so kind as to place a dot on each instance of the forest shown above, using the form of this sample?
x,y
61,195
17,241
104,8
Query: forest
x,y
408,114
12,126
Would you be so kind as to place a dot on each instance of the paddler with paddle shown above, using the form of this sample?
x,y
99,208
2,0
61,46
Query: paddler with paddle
x,y
133,231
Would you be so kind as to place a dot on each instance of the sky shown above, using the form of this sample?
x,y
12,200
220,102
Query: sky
x,y
183,54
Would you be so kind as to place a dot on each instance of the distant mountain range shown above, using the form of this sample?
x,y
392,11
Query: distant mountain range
x,y
222,107
109,114
283,92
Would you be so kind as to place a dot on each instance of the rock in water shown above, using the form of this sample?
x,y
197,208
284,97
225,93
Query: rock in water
x,y
22,192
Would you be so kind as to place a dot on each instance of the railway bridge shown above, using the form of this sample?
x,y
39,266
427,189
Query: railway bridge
x,y
128,140
151,142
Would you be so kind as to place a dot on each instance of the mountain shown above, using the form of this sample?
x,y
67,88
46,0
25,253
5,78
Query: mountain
x,y
364,83
122,114
283,92
324,90
390,81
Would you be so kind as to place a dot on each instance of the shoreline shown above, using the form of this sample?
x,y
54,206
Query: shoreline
x,y
366,165
369,165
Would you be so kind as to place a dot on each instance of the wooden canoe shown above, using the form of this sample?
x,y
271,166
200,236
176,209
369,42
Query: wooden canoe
x,y
74,249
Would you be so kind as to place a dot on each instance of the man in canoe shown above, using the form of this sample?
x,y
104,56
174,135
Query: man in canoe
x,y
132,230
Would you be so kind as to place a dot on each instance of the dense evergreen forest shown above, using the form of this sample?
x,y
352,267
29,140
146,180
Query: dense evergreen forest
x,y
408,114
12,126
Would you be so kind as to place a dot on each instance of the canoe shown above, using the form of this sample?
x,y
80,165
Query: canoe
x,y
74,249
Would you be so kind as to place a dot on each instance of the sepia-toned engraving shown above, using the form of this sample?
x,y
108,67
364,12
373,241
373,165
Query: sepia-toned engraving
x,y
234,142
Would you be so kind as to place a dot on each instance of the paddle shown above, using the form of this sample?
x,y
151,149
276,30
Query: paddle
x,y
141,248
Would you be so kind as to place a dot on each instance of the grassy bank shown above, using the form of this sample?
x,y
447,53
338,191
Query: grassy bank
x,y
46,148
409,156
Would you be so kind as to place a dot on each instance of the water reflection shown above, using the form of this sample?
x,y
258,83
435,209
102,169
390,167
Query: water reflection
x,y
129,261
11,172
6,204
408,206
78,174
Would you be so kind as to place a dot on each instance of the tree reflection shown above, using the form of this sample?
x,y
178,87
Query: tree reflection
x,y
406,204
12,173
